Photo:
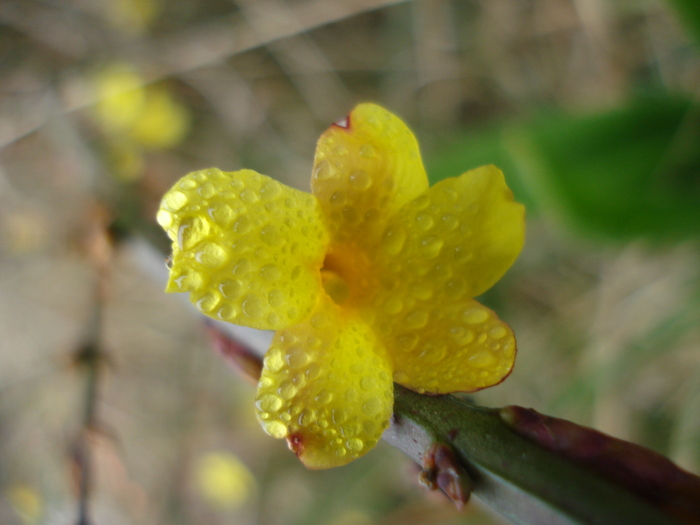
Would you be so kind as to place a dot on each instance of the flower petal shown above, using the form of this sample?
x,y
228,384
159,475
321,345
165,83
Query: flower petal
x,y
459,346
365,169
248,248
437,252
457,239
326,386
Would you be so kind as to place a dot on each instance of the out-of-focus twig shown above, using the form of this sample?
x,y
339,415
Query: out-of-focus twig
x,y
90,358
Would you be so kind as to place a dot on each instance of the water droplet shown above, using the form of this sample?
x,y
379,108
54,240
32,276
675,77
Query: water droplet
x,y
230,289
270,190
354,444
483,359
462,336
416,319
455,288
372,406
188,183
297,357
360,180
273,360
164,218
350,395
207,190
351,215
276,429
192,231
394,239
422,290
269,403
228,312
287,390
368,383
241,268
313,372
498,332
270,273
252,306
407,342
319,320
400,377
271,235
323,170
211,255
475,315
421,202
393,305
366,151
338,198
324,397
424,221
242,225
450,222
174,201
249,195
222,214
275,298
273,320
430,246
209,302
296,273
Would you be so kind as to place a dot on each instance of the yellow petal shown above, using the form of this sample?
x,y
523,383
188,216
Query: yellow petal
x,y
452,347
365,169
247,248
326,386
454,241
438,252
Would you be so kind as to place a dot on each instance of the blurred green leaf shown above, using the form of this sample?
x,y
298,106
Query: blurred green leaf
x,y
689,13
629,172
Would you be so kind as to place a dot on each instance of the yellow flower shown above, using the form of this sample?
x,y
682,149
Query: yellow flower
x,y
369,278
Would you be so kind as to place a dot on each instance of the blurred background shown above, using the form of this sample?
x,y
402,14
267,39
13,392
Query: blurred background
x,y
109,388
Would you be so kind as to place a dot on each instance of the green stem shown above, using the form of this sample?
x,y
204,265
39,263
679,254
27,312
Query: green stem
x,y
520,479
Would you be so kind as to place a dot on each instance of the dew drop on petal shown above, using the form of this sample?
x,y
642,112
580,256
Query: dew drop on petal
x,y
192,231
209,302
269,403
252,306
270,190
372,406
498,332
276,429
424,221
211,255
430,246
483,359
455,288
360,180
164,218
273,360
206,190
367,151
400,377
394,239
230,289
354,444
222,214
323,170
174,201
249,196
475,315
270,273
297,357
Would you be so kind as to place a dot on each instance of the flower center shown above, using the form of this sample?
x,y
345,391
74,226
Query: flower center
x,y
345,275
